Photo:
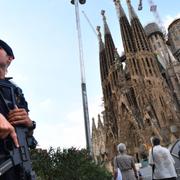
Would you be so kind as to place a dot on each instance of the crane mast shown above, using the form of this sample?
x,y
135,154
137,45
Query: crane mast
x,y
83,81
90,24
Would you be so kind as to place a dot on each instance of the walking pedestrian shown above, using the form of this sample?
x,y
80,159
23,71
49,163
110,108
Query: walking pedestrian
x,y
161,161
125,163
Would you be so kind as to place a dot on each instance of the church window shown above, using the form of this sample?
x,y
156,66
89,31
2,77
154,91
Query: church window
x,y
159,44
144,65
109,90
153,66
105,94
163,116
139,68
129,98
147,62
152,39
133,70
154,46
161,100
149,65
114,77
150,71
112,80
134,63
156,36
149,82
148,122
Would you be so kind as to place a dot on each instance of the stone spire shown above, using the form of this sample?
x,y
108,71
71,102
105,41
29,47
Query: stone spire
x,y
109,43
93,124
146,64
110,86
132,13
126,31
106,28
149,78
119,9
100,125
101,44
102,57
141,40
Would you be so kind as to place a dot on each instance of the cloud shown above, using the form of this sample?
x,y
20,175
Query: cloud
x,y
67,132
95,108
59,135
46,110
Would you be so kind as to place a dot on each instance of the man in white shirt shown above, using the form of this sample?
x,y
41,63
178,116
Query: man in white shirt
x,y
163,161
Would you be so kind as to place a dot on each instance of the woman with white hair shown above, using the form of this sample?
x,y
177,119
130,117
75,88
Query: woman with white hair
x,y
125,163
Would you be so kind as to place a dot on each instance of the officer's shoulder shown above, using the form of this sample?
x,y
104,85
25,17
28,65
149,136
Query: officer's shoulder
x,y
9,79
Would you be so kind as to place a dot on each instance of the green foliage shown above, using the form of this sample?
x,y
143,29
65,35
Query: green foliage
x,y
67,164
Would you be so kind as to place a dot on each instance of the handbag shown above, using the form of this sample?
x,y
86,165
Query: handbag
x,y
118,175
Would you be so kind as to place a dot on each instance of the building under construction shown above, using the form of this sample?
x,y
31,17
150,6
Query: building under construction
x,y
141,89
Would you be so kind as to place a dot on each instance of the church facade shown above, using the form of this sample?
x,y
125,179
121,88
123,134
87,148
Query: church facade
x,y
141,99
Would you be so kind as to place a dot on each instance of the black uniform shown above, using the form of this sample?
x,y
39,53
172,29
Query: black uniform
x,y
15,172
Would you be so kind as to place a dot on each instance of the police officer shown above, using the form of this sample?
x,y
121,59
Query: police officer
x,y
17,116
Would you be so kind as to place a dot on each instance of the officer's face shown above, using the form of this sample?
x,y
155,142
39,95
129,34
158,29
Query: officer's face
x,y
5,60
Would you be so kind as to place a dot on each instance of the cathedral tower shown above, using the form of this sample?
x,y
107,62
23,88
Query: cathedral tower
x,y
137,100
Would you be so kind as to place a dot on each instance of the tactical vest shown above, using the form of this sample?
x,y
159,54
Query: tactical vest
x,y
6,99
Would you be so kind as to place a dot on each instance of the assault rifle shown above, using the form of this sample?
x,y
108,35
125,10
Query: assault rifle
x,y
16,156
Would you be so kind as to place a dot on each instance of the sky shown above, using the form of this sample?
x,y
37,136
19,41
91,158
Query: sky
x,y
43,36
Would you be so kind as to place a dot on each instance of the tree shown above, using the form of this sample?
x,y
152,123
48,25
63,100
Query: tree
x,y
68,164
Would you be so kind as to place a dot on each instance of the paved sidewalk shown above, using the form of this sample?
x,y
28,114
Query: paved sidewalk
x,y
146,173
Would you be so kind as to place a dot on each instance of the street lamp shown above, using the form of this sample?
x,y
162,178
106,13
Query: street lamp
x,y
83,81
80,1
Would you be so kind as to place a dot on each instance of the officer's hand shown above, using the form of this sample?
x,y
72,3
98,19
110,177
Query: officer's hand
x,y
19,116
7,129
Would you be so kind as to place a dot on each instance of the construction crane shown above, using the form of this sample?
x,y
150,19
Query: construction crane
x,y
153,9
83,81
140,5
90,24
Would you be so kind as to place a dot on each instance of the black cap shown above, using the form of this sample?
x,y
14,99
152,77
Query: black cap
x,y
7,48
